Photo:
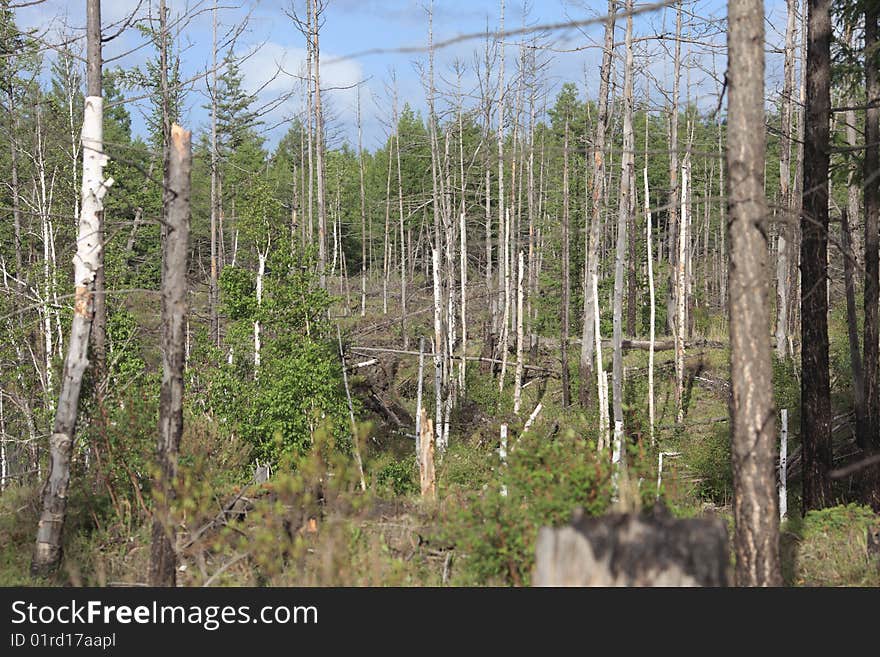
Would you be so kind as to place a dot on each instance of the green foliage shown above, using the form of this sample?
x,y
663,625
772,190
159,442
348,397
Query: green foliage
x,y
709,458
238,293
545,480
399,477
291,397
299,384
124,347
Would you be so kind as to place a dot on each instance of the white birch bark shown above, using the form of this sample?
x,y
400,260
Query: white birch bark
x,y
517,384
783,466
602,380
261,271
86,261
653,311
680,285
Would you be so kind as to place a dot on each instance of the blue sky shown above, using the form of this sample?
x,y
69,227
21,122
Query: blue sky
x,y
352,26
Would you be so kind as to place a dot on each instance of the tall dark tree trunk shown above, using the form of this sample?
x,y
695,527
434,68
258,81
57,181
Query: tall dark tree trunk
x,y
752,409
87,263
815,383
870,438
163,555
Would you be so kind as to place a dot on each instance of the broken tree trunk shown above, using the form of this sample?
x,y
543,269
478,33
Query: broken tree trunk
x,y
633,550
163,553
426,457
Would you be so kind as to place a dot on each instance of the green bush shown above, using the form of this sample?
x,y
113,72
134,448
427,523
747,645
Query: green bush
x,y
708,456
398,477
545,481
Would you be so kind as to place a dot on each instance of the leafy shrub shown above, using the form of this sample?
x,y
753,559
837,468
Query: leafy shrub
x,y
709,457
545,481
399,477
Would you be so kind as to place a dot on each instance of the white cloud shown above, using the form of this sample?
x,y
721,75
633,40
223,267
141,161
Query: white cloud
x,y
275,70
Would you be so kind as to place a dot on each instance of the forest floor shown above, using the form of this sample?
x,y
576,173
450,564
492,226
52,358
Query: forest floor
x,y
310,528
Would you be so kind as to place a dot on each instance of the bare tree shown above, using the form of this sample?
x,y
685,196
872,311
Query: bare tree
x,y
175,252
593,230
783,243
624,199
215,195
870,439
566,277
752,410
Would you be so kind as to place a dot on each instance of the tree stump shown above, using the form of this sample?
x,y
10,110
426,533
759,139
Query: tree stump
x,y
633,550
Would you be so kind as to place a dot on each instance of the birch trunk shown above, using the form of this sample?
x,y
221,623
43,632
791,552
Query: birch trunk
x,y
462,232
681,293
602,380
419,410
651,328
438,349
517,384
87,261
566,282
261,271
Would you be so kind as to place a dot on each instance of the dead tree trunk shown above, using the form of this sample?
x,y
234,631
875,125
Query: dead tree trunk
x,y
672,223
783,242
870,439
652,300
752,410
87,262
815,384
163,552
317,9
99,322
625,189
858,380
517,384
566,281
363,209
591,261
215,198
680,323
401,220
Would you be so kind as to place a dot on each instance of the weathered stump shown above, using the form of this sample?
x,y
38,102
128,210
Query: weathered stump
x,y
633,550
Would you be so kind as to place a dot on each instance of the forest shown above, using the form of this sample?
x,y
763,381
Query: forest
x,y
536,261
